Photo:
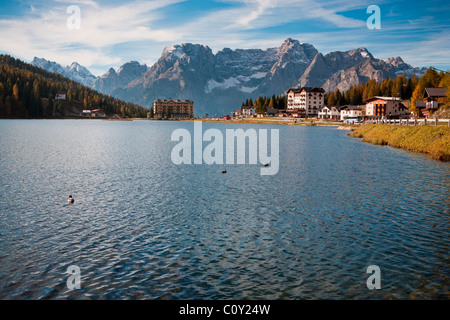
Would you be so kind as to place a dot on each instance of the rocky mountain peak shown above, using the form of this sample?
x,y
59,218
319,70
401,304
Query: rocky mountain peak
x,y
363,52
289,43
175,52
132,68
302,50
75,71
110,72
172,51
80,70
397,61
113,80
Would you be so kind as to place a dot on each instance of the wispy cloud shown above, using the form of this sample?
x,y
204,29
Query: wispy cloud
x,y
45,32
264,13
115,32
79,2
32,7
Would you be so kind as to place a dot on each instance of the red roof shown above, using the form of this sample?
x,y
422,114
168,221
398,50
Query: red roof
x,y
382,98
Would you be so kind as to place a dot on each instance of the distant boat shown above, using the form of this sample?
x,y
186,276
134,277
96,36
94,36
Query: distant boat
x,y
224,171
266,165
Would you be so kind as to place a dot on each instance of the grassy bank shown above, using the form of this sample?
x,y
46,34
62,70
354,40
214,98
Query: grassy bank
x,y
424,139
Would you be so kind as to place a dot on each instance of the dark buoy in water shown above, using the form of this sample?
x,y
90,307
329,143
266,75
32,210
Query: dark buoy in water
x,y
70,200
224,171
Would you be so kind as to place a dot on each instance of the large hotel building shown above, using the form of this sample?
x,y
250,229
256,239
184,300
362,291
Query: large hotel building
x,y
305,101
177,109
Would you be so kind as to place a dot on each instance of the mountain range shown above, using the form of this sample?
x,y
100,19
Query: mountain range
x,y
75,71
219,83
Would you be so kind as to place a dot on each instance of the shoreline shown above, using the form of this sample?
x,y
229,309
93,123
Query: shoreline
x,y
431,140
289,121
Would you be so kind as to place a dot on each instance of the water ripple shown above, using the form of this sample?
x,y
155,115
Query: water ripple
x,y
144,228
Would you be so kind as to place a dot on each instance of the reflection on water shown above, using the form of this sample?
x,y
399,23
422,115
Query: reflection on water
x,y
144,228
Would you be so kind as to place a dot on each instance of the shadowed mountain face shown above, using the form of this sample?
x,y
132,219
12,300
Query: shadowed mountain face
x,y
325,67
113,80
218,83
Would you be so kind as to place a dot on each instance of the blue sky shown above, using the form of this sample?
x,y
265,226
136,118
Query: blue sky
x,y
114,32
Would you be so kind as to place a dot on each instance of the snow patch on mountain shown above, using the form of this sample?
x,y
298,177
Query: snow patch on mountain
x,y
228,83
248,89
173,51
258,75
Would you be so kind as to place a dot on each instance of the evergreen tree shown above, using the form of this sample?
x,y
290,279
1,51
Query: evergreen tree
x,y
49,107
36,100
272,103
353,99
16,94
331,101
337,97
259,105
8,107
430,79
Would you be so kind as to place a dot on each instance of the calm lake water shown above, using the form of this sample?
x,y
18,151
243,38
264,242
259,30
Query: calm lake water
x,y
142,227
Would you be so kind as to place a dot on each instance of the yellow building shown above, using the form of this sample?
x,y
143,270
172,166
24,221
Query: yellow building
x,y
176,109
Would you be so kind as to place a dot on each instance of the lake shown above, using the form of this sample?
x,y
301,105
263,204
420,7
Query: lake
x,y
142,227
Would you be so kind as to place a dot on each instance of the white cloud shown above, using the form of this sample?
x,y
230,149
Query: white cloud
x,y
264,13
79,2
105,27
45,34
112,34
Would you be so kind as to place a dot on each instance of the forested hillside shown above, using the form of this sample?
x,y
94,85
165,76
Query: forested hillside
x,y
29,92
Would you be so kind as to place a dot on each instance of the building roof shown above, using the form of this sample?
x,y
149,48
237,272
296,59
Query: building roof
x,y
173,100
383,98
306,89
248,107
338,108
310,89
435,92
295,90
351,107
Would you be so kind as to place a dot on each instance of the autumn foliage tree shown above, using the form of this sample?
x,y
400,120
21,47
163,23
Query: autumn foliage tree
x,y
27,92
431,78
